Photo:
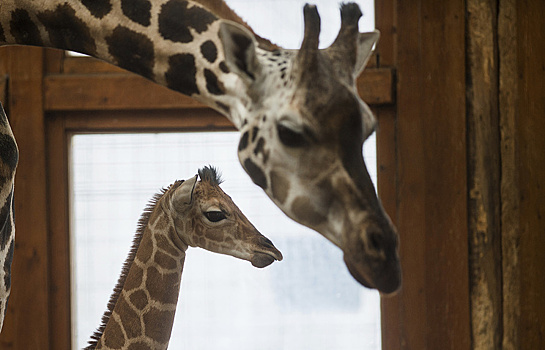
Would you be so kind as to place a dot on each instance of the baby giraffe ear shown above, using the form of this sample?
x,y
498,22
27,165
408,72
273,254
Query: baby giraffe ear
x,y
184,194
239,47
365,49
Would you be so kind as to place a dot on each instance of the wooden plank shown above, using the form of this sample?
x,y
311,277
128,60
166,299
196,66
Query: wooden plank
x,y
387,191
484,175
432,186
27,319
88,65
59,252
128,91
376,87
125,121
510,191
3,88
109,91
531,164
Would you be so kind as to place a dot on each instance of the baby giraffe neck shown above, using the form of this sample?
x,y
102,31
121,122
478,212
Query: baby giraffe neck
x,y
141,310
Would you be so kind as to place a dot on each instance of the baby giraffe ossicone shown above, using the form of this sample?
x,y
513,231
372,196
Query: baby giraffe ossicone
x,y
192,213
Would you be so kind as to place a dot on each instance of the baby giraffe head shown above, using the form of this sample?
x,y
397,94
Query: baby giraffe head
x,y
204,216
302,135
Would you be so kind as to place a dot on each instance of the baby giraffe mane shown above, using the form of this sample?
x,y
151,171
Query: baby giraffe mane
x,y
211,175
142,223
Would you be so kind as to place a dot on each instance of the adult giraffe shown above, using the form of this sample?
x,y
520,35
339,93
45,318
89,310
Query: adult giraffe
x,y
301,120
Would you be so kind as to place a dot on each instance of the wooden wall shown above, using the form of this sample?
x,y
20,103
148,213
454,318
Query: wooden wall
x,y
461,171
470,173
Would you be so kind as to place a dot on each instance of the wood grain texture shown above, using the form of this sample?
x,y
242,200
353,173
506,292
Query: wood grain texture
x,y
483,142
432,175
129,91
531,164
27,320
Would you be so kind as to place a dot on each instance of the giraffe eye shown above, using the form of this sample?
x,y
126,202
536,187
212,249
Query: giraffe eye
x,y
215,216
290,137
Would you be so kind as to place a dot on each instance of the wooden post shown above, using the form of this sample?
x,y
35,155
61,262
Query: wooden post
x,y
26,323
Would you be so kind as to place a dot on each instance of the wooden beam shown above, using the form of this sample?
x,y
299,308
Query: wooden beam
x,y
432,175
27,321
483,137
111,91
530,121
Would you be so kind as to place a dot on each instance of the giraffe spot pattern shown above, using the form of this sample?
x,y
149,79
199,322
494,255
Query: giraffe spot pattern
x,y
9,154
98,8
139,299
176,18
209,51
155,282
181,74
134,279
303,209
213,235
156,330
115,339
223,67
212,84
257,175
132,51
243,141
6,229
260,148
139,346
280,186
138,11
23,29
129,318
165,261
67,31
255,131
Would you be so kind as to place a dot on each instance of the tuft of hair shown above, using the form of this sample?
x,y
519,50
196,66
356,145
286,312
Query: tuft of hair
x,y
351,13
142,223
211,175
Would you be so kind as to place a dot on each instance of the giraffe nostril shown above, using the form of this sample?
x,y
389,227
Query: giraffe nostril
x,y
265,241
375,240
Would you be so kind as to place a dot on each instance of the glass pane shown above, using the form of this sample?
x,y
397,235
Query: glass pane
x,y
281,21
307,301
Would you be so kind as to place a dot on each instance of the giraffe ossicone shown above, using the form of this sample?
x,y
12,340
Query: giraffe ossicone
x,y
301,119
188,213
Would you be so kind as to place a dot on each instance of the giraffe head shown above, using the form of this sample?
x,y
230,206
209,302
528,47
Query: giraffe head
x,y
302,132
206,217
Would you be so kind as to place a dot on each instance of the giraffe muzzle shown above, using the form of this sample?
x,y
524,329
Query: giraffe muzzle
x,y
266,255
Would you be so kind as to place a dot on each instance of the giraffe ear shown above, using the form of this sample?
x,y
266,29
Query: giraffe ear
x,y
366,41
239,47
184,194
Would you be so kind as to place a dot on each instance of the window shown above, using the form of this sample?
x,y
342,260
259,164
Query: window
x,y
306,301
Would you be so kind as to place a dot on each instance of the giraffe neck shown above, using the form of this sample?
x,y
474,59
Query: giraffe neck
x,y
141,310
171,42
9,156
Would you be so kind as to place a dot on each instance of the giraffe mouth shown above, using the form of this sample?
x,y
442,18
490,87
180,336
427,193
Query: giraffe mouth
x,y
386,283
266,255
261,260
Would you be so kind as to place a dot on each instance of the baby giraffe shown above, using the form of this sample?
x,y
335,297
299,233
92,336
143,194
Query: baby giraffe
x,y
188,213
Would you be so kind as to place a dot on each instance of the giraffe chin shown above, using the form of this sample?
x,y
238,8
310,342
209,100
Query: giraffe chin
x,y
261,260
384,286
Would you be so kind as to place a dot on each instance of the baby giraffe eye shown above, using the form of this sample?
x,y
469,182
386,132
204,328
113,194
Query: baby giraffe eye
x,y
215,216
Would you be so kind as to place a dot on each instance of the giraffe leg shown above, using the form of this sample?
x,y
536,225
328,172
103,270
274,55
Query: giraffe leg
x,y
9,156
